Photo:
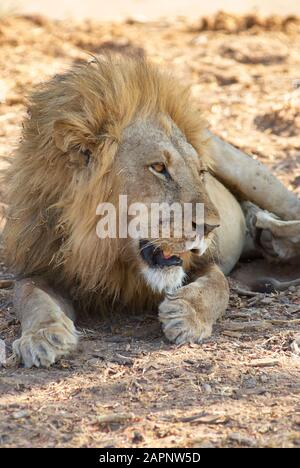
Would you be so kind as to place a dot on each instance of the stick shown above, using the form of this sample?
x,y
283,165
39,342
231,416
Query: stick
x,y
6,283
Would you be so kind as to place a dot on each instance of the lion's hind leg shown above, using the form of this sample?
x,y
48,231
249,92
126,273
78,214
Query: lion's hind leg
x,y
47,331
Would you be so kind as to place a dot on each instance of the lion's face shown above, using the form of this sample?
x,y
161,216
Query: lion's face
x,y
155,165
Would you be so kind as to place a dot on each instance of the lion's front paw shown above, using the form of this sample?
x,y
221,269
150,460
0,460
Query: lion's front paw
x,y
43,347
181,323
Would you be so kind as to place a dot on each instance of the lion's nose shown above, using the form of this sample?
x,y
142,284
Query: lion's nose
x,y
209,228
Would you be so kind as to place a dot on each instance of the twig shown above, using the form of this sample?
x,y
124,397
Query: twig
x,y
204,418
263,363
6,283
245,292
254,301
284,322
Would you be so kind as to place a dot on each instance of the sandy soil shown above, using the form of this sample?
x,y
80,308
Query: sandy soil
x,y
126,386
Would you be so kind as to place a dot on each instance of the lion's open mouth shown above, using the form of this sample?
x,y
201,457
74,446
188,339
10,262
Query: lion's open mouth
x,y
154,256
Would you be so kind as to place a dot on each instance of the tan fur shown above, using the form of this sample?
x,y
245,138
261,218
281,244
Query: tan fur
x,y
51,222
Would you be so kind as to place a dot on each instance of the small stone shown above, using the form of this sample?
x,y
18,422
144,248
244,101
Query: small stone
x,y
266,300
20,414
264,378
137,437
3,439
250,382
207,388
295,345
200,40
264,429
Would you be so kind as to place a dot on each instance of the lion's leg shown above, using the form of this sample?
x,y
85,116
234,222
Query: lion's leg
x,y
189,314
48,332
250,179
273,238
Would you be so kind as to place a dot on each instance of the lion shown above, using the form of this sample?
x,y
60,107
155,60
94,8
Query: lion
x,y
119,125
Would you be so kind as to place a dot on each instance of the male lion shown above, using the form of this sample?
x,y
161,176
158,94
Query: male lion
x,y
120,126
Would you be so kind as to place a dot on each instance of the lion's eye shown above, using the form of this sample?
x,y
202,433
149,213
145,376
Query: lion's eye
x,y
160,169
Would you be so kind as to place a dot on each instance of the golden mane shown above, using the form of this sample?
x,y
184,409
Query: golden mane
x,y
52,204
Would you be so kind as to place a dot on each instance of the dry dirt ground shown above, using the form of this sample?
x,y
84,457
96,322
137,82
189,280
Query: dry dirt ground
x,y
126,386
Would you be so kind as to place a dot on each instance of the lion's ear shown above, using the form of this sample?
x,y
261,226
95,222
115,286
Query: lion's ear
x,y
67,135
69,139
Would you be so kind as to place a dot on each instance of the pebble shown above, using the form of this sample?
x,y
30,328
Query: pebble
x,y
264,378
207,388
137,437
266,300
250,382
20,414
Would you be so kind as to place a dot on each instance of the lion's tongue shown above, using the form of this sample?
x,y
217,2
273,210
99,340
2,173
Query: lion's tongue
x,y
166,255
166,260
